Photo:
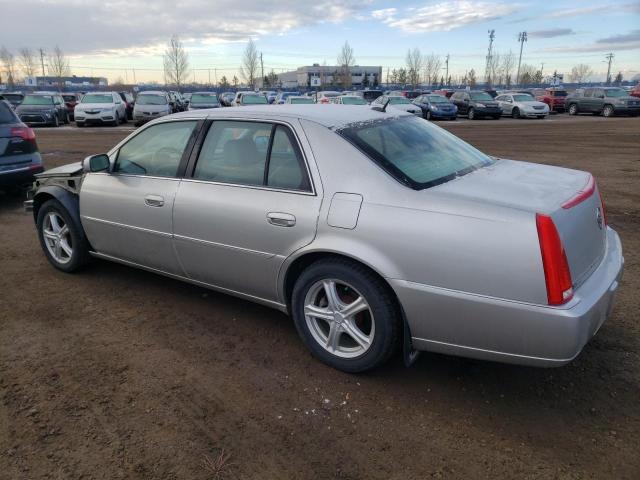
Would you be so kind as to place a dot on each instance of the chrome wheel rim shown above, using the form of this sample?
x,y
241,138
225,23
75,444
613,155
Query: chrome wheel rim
x,y
339,318
57,238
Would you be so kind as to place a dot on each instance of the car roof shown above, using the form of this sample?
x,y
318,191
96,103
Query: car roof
x,y
331,116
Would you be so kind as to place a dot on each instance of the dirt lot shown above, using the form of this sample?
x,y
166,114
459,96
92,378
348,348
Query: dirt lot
x,y
119,373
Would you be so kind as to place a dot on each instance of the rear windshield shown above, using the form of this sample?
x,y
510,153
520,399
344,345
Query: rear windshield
x,y
254,99
97,98
415,152
353,100
437,99
398,100
6,114
151,100
38,100
207,98
616,92
480,96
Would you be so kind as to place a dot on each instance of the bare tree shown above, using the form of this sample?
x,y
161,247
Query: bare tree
x,y
8,65
507,65
28,63
250,63
58,64
346,60
432,66
176,63
580,73
471,78
414,63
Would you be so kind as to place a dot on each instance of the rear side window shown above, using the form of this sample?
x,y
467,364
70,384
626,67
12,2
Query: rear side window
x,y
156,151
286,165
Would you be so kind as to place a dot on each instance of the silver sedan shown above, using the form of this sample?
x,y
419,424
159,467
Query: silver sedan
x,y
376,231
522,105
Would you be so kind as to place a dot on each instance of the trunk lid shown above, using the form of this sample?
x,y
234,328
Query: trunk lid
x,y
569,197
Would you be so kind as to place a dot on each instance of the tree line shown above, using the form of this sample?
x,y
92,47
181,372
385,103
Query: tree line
x,y
30,63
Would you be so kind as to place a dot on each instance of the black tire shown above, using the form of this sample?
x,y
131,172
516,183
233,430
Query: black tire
x,y
66,119
116,122
428,115
515,113
608,111
573,109
55,122
383,306
80,246
471,114
124,119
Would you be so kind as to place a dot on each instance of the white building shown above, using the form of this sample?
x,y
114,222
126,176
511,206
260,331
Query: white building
x,y
329,75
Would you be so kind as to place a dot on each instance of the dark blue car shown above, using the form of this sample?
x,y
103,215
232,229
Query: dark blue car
x,y
436,107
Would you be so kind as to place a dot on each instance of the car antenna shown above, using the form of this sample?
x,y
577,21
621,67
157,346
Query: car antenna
x,y
384,107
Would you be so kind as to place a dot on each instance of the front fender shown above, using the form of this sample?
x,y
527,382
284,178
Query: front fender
x,y
69,201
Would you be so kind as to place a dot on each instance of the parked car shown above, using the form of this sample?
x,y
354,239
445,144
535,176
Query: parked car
x,y
445,92
150,105
226,99
349,100
522,105
14,98
325,96
129,103
187,97
19,157
249,98
476,104
201,100
635,91
435,107
374,230
298,100
101,108
492,92
46,109
368,95
70,101
282,96
271,96
554,97
605,101
396,102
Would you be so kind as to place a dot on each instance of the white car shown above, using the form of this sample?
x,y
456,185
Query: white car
x,y
522,105
100,108
249,98
297,100
150,105
398,102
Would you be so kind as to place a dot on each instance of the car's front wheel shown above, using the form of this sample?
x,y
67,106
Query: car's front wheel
x,y
55,121
62,240
515,113
607,111
471,114
346,315
573,109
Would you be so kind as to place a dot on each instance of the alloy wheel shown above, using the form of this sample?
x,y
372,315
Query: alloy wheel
x,y
57,238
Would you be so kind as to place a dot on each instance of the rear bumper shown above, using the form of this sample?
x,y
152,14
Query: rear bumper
x,y
487,328
21,175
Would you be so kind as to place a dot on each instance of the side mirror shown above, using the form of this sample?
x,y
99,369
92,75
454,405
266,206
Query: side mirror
x,y
96,163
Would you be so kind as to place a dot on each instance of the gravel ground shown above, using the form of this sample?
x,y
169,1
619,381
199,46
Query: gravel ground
x,y
119,373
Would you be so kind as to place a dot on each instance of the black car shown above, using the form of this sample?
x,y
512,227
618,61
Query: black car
x,y
129,103
43,109
436,107
14,98
475,104
19,157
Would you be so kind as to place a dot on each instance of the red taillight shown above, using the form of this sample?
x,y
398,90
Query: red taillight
x,y
554,261
26,133
584,193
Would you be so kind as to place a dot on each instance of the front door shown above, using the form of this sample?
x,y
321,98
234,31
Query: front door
x,y
127,213
249,204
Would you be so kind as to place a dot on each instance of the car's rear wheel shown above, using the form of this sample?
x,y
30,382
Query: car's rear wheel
x,y
116,122
346,315
607,111
62,240
515,113
55,121
471,114
573,109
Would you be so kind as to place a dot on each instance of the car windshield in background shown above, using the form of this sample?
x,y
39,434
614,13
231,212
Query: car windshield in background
x,y
6,115
559,93
331,94
204,98
523,98
38,100
69,98
617,92
414,151
95,98
254,99
302,100
398,100
353,100
151,100
437,99
480,96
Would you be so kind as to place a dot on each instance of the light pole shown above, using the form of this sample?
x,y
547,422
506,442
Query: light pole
x,y
522,37
609,57
492,35
446,62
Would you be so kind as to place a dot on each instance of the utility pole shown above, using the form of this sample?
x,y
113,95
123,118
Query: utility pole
x,y
42,60
209,71
134,76
261,71
446,62
492,35
609,57
522,37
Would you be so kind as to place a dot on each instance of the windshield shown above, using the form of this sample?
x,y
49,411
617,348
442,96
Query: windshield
x,y
523,98
38,100
301,100
558,93
207,98
254,99
437,99
616,92
398,100
69,98
97,98
353,100
480,96
414,151
151,100
288,94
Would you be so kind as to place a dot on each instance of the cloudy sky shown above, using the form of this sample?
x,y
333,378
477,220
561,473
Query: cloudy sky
x,y
113,37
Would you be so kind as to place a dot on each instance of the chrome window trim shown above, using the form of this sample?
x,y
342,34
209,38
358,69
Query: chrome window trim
x,y
254,187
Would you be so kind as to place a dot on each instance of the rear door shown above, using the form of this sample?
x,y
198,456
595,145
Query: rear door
x,y
250,203
127,213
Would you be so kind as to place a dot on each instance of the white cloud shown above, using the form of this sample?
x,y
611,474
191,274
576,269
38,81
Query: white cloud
x,y
444,16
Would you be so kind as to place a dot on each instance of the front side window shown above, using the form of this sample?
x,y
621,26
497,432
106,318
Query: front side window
x,y
415,152
156,151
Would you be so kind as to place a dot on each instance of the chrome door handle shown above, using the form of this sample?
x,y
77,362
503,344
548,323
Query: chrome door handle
x,y
281,219
154,200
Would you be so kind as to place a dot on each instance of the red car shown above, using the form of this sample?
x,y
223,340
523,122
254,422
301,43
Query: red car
x,y
70,101
636,91
554,97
